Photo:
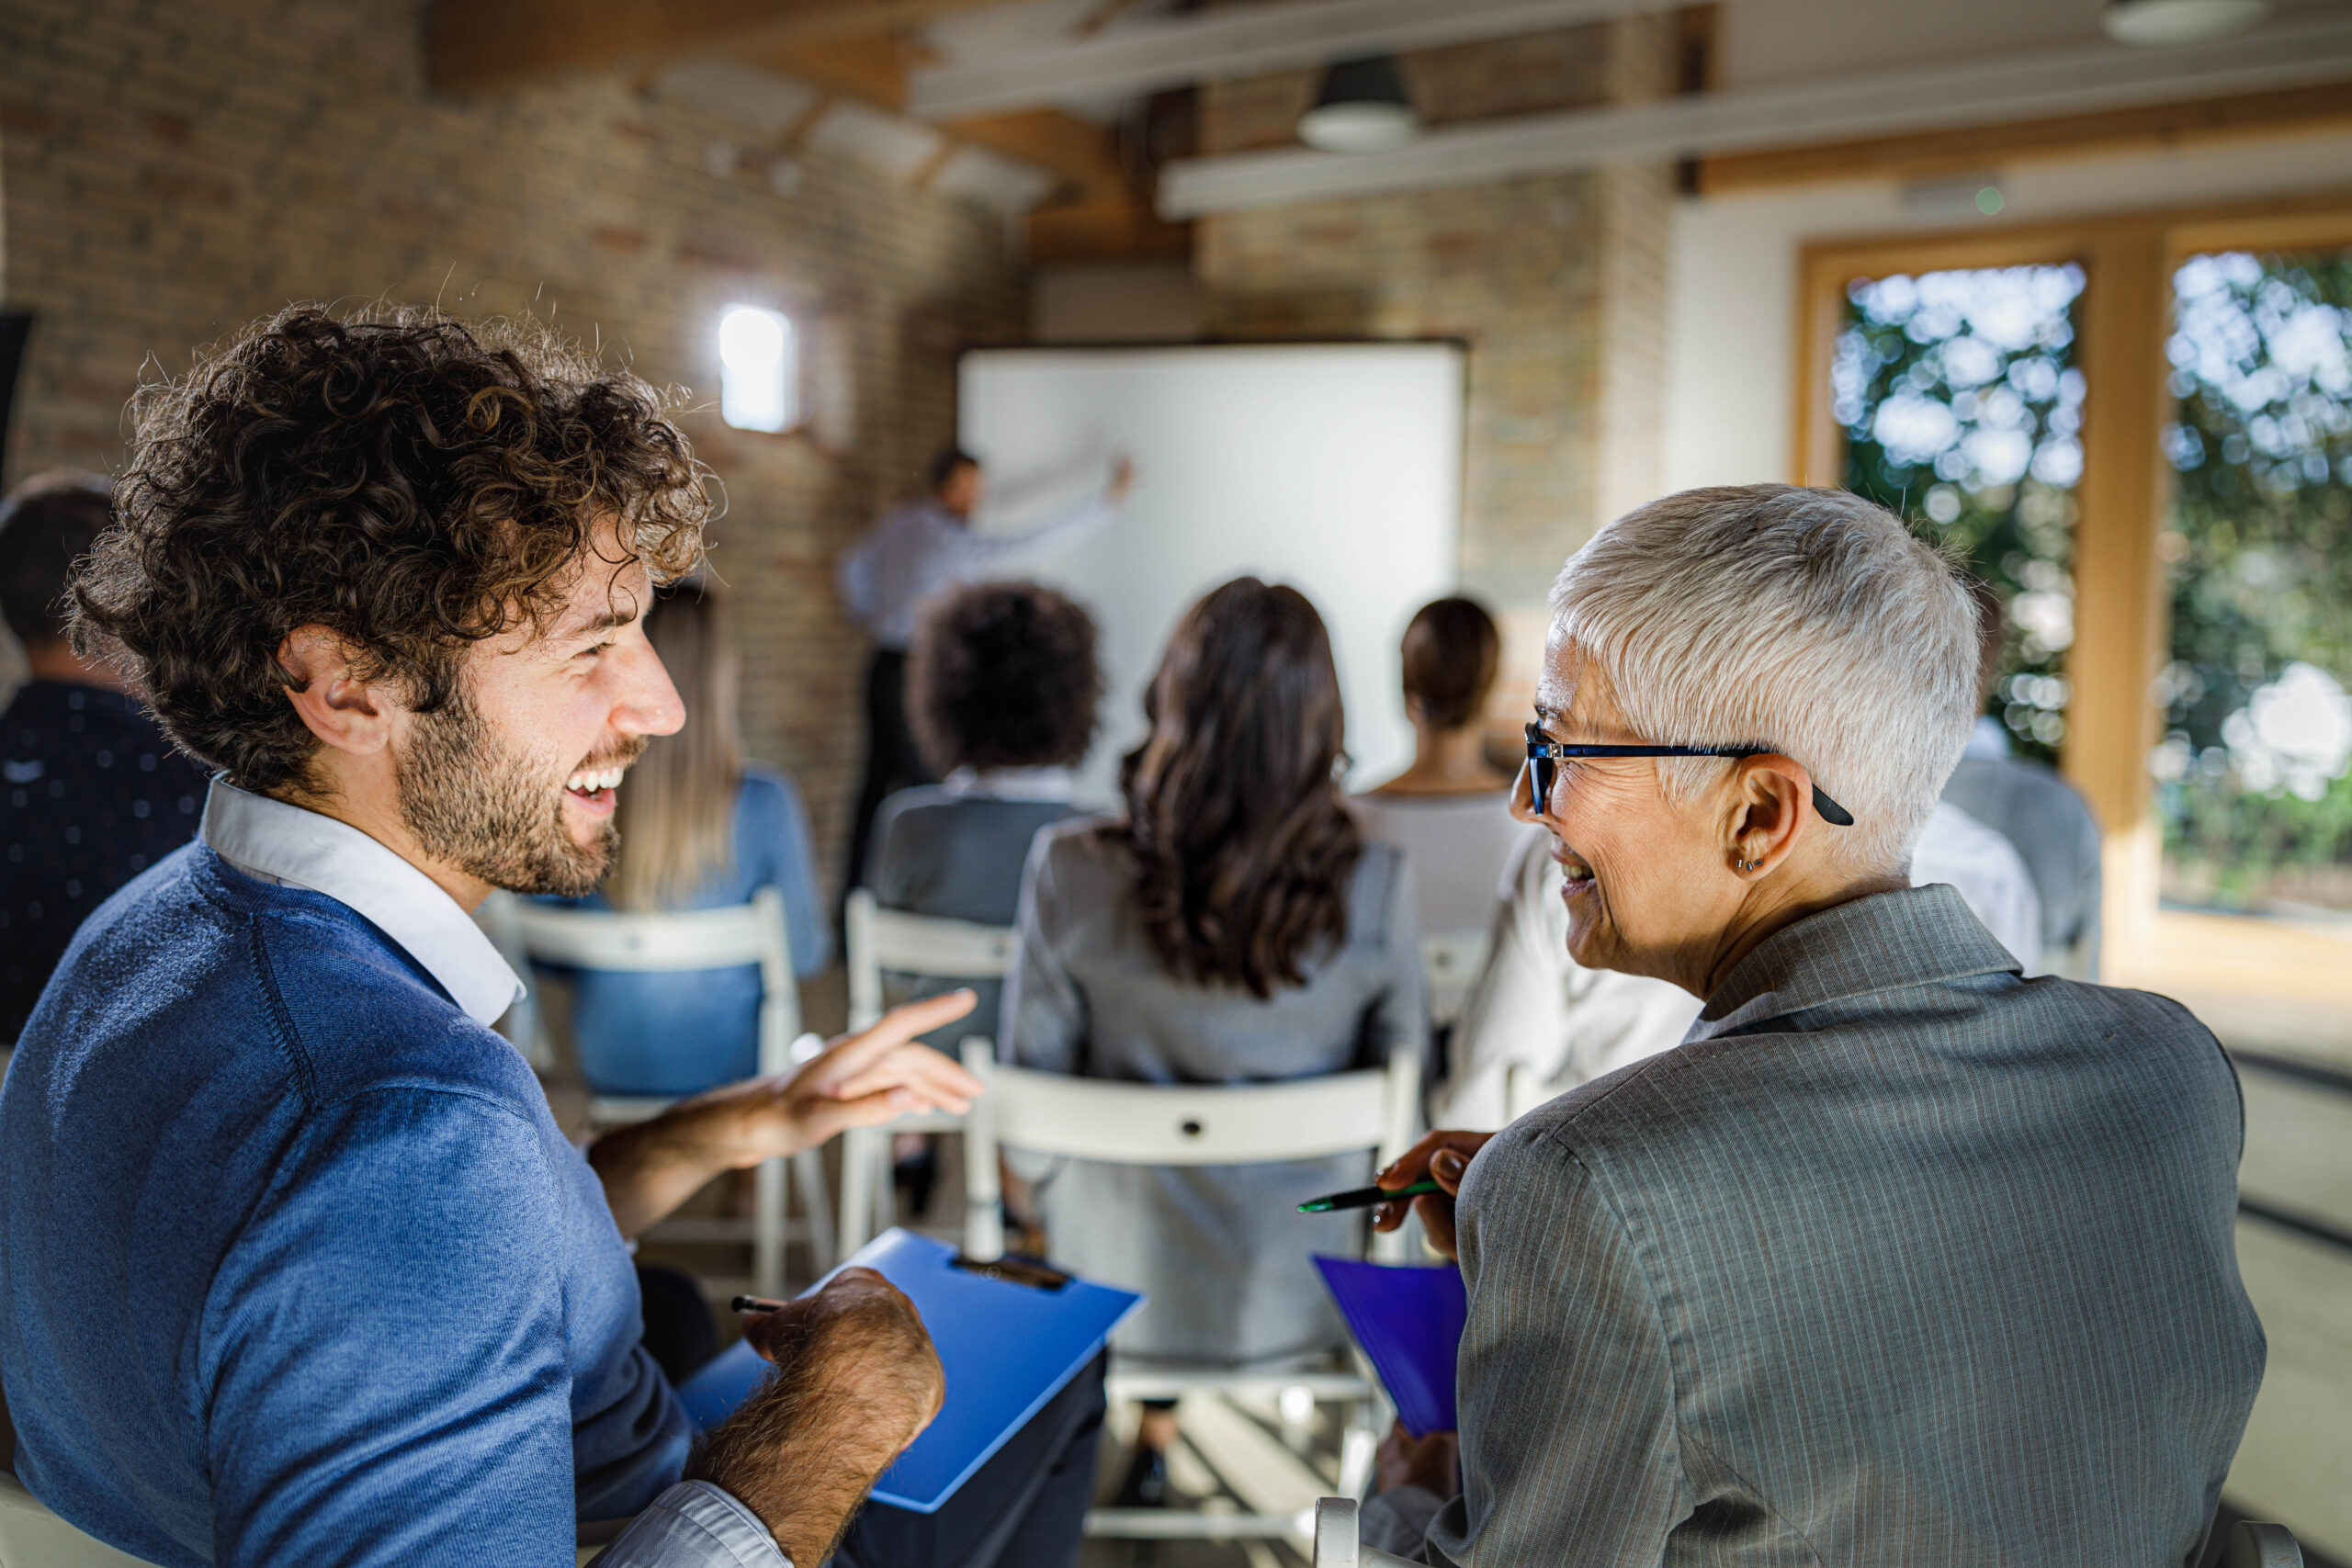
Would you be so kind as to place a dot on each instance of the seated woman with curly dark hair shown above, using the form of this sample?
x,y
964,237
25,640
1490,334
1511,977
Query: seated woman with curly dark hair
x,y
1003,688
1231,926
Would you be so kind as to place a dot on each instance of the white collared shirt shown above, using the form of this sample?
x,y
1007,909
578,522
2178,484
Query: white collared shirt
x,y
291,846
1052,784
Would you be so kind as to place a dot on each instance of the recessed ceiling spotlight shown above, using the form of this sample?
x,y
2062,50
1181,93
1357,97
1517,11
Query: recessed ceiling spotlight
x,y
2157,23
1361,108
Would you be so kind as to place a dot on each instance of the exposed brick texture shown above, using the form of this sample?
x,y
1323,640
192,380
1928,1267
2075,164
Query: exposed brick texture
x,y
171,170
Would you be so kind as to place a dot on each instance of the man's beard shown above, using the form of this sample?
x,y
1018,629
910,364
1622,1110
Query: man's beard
x,y
497,814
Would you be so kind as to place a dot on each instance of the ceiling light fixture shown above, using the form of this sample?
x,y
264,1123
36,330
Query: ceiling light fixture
x,y
1362,108
2159,24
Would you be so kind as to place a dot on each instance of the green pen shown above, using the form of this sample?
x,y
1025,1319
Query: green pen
x,y
1365,1197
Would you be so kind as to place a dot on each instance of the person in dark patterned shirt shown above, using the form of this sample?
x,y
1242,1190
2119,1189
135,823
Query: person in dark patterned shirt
x,y
91,793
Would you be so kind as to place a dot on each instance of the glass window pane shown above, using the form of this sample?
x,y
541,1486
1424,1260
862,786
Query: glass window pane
x,y
1962,410
2255,773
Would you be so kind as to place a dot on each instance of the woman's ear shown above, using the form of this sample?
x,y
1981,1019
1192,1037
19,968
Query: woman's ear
x,y
1771,796
341,710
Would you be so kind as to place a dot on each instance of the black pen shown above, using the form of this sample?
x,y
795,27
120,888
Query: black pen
x,y
754,1303
1365,1197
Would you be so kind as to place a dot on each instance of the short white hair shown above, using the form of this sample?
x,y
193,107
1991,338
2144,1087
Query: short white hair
x,y
1808,622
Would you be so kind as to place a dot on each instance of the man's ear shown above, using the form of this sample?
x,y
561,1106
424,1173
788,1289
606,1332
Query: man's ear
x,y
342,711
1771,795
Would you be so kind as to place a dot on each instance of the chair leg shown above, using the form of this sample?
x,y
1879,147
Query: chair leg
x,y
857,1190
817,1203
767,1228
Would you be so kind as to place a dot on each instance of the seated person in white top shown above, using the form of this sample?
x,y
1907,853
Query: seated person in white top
x,y
1535,1008
1450,812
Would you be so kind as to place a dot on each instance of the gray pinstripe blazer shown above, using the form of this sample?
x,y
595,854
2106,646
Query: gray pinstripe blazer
x,y
1897,1259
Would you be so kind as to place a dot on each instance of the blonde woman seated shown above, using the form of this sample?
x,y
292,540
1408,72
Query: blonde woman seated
x,y
1232,926
699,829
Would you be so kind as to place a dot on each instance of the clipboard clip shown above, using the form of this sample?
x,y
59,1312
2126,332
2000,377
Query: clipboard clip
x,y
1012,1272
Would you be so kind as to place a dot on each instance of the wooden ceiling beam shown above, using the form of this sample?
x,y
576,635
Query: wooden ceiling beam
x,y
1085,155
1972,148
475,46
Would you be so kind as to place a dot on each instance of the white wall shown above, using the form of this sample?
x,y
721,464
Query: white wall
x,y
1732,307
1336,469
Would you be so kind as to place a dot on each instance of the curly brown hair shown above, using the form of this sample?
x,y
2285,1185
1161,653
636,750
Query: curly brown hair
x,y
1243,850
1002,675
410,482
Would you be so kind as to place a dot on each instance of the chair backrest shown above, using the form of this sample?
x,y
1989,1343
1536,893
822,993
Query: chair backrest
x,y
1450,963
32,1536
928,945
1130,1124
753,933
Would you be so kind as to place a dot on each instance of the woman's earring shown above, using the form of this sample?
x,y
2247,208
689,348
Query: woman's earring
x,y
1747,864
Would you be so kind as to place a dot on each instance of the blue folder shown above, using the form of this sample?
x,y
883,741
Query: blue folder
x,y
1007,1348
1409,1321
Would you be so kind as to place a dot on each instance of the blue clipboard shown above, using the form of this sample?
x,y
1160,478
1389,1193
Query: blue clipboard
x,y
1006,1348
1409,1321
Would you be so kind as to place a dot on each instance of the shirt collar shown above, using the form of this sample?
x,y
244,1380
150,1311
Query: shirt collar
x,y
286,844
1886,941
1989,739
1010,783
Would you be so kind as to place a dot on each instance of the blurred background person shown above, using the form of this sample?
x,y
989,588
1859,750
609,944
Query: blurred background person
x,y
1450,812
2036,811
1233,926
916,551
91,791
1002,694
699,829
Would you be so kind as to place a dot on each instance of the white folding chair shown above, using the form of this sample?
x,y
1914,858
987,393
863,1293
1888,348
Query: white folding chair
x,y
32,1536
753,933
933,948
1126,1124
1449,964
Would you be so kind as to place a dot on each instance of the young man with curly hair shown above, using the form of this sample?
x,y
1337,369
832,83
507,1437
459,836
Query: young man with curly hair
x,y
298,1268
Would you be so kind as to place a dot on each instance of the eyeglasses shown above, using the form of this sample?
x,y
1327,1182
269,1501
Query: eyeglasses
x,y
1541,753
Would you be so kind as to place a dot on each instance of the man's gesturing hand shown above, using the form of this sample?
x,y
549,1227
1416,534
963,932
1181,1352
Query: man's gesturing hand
x,y
861,1080
857,1381
1442,1158
650,1167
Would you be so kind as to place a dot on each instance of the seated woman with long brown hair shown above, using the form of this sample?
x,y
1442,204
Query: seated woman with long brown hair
x,y
700,827
1231,926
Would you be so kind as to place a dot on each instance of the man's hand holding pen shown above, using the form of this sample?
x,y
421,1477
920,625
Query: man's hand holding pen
x,y
1443,1157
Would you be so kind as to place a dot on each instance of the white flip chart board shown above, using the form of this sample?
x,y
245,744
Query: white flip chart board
x,y
1336,469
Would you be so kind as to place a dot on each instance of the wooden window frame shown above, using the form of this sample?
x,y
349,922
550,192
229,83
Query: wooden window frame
x,y
2121,630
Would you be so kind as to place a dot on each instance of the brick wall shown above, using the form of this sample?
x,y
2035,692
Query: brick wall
x,y
171,170
1557,284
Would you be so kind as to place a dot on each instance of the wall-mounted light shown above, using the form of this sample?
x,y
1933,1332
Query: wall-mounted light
x,y
758,369
1364,107
2156,24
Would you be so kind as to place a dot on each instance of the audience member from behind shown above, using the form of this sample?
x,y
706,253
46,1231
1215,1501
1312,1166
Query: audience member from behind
x,y
2041,813
1233,926
918,551
1900,1257
90,794
700,829
1004,690
1450,812
387,573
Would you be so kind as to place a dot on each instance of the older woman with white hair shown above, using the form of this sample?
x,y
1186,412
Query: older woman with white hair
x,y
1901,1256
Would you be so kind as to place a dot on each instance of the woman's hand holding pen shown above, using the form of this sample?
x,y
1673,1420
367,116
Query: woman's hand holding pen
x,y
1443,1157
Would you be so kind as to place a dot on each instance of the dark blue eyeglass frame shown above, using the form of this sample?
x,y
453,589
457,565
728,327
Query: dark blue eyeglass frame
x,y
1541,753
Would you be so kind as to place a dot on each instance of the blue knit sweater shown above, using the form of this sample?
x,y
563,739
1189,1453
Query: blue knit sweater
x,y
295,1267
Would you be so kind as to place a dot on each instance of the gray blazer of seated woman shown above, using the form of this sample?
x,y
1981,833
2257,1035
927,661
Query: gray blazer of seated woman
x,y
1900,1257
1231,927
